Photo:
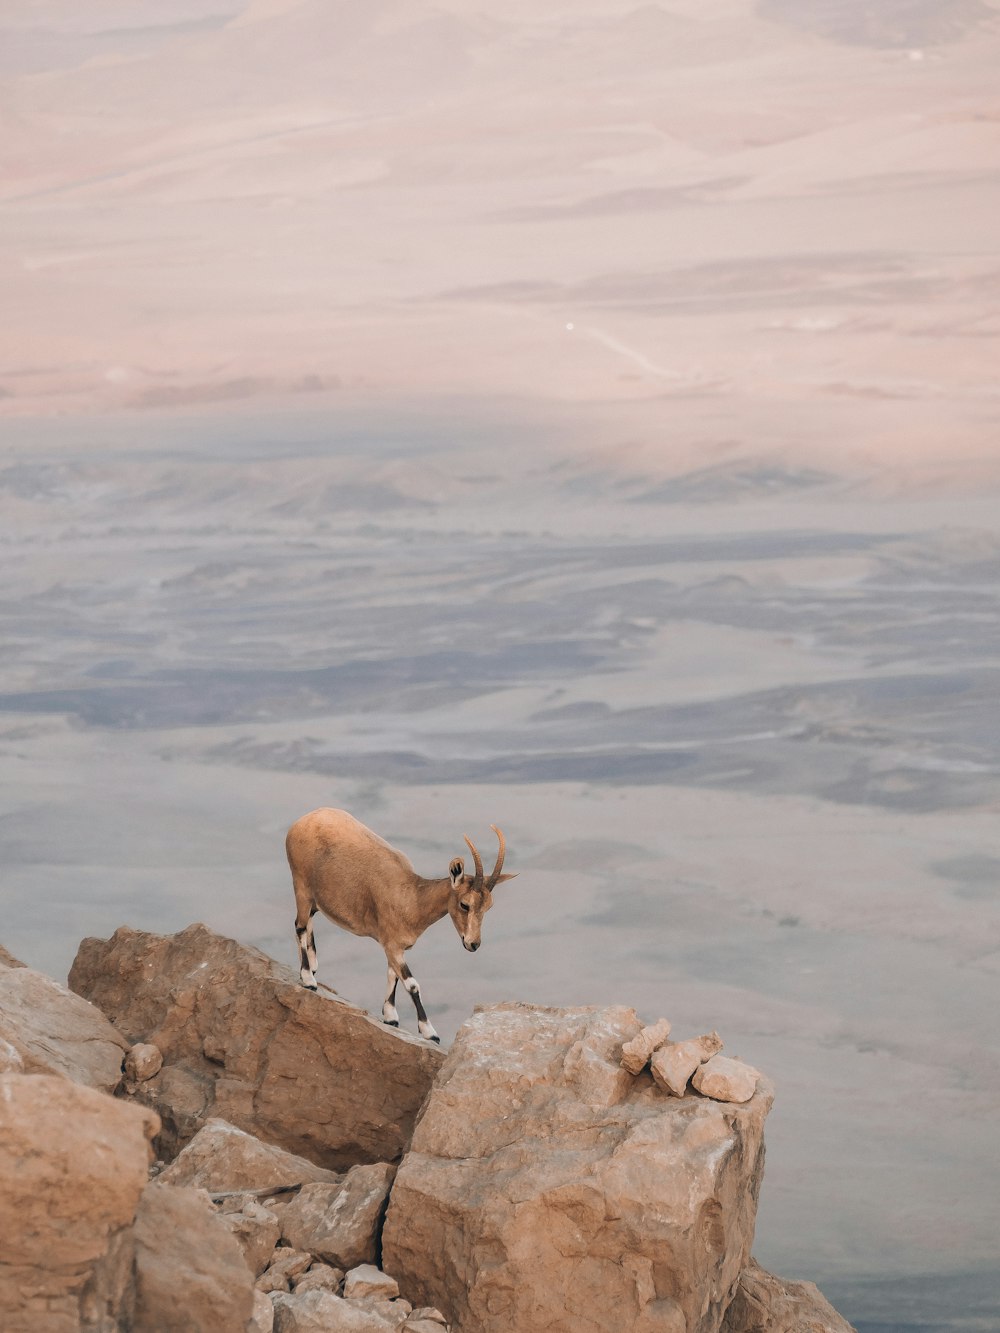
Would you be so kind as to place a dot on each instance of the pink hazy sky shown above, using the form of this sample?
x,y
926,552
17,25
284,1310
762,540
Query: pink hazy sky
x,y
785,211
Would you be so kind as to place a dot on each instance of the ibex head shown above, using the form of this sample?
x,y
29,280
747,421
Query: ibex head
x,y
472,895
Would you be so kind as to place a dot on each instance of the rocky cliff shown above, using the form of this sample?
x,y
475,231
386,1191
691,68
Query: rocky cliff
x,y
206,1147
242,1040
555,1190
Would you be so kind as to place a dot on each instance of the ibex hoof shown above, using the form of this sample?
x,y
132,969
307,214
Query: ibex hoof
x,y
391,1022
312,988
436,1038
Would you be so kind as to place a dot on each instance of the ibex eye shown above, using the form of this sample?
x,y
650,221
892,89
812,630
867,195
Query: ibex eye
x,y
464,906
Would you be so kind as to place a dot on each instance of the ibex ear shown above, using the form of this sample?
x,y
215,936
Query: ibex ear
x,y
513,874
456,870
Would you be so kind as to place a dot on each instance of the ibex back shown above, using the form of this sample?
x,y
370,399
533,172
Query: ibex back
x,y
347,872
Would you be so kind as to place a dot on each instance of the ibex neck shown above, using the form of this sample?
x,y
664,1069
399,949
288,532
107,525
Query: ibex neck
x,y
434,892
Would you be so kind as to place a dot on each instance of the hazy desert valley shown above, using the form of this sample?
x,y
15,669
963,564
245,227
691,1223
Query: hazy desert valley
x,y
592,432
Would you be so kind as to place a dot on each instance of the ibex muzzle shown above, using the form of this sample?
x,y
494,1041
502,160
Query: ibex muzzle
x,y
473,896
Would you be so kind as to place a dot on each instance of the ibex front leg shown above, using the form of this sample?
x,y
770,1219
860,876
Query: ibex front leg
x,y
390,1014
397,967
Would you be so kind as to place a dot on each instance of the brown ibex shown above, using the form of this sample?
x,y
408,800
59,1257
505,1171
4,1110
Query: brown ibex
x,y
347,872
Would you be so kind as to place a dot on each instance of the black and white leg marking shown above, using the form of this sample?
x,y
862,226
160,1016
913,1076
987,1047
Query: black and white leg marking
x,y
424,1026
390,1014
307,955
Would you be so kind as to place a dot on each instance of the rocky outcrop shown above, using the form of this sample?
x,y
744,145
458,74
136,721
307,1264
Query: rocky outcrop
x,y
54,1031
548,1188
242,1040
221,1157
190,1274
8,959
767,1304
564,1175
74,1164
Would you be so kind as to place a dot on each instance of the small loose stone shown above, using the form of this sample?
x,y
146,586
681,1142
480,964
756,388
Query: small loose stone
x,y
142,1062
673,1064
321,1277
636,1053
367,1280
725,1079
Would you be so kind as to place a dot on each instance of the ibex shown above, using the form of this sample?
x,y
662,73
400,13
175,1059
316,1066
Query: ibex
x,y
352,876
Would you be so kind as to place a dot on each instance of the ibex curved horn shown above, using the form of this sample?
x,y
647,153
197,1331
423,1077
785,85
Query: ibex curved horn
x,y
492,881
477,882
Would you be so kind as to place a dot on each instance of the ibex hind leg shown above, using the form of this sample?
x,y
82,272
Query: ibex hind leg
x,y
305,911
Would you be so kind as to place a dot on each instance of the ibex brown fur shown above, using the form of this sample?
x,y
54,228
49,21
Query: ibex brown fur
x,y
352,876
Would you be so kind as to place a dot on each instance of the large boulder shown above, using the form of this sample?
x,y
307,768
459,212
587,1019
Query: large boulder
x,y
56,1032
190,1273
341,1223
74,1164
323,1312
257,1231
221,1158
764,1303
242,1040
546,1188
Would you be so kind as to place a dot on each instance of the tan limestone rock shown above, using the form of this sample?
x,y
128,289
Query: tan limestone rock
x,y
142,1062
423,1326
73,1165
674,1063
340,1223
221,1157
190,1274
57,1032
366,1281
294,1262
429,1312
636,1053
322,1312
767,1304
11,1060
8,959
286,1265
725,1079
241,1039
542,1193
262,1314
393,1312
256,1230
273,1280
321,1277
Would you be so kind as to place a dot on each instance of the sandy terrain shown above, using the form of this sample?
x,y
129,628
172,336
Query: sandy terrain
x,y
770,224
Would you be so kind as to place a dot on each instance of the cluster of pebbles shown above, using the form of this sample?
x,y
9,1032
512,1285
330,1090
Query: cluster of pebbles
x,y
696,1062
